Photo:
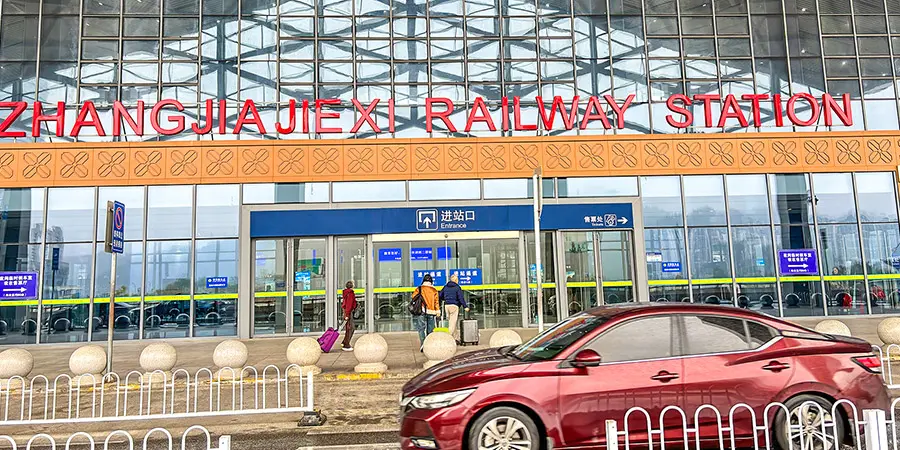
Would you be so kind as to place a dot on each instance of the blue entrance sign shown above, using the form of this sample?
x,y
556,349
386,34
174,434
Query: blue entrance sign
x,y
216,282
468,277
390,254
421,254
444,253
339,222
798,262
18,285
118,230
438,277
671,266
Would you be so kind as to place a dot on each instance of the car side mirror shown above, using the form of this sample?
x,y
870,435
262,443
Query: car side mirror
x,y
587,358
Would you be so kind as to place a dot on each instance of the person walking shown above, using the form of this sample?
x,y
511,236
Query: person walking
x,y
453,299
348,304
425,322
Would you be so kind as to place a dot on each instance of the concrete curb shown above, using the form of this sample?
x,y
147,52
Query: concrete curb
x,y
366,376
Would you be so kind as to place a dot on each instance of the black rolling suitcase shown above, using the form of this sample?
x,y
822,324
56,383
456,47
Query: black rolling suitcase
x,y
468,330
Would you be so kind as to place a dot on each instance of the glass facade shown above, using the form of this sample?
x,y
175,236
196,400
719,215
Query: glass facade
x,y
715,239
408,50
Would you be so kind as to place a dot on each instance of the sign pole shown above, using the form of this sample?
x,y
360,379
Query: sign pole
x,y
539,292
112,312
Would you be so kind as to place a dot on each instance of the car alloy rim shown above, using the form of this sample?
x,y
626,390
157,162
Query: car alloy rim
x,y
504,433
806,428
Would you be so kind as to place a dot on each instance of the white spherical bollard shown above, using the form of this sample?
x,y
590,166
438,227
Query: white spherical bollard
x,y
157,360
87,364
230,357
439,347
304,352
502,338
834,327
370,350
889,330
15,365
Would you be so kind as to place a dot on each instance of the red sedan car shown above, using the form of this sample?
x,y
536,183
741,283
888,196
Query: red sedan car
x,y
557,390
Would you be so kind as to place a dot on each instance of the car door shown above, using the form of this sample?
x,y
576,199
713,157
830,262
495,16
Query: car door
x,y
725,365
639,368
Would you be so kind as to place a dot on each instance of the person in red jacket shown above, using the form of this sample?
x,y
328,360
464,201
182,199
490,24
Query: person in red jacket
x,y
348,304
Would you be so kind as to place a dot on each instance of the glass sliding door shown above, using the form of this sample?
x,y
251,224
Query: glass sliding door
x,y
270,294
617,264
351,266
581,271
548,278
488,271
308,294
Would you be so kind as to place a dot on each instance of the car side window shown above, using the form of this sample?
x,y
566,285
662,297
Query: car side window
x,y
759,334
714,334
636,340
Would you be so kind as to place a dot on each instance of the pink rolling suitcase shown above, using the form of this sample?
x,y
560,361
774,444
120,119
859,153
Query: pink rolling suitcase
x,y
327,340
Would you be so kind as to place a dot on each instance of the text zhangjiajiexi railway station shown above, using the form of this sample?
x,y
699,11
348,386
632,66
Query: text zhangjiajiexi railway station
x,y
267,152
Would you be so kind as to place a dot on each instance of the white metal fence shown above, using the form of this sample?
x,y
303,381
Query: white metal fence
x,y
887,355
157,436
806,425
138,396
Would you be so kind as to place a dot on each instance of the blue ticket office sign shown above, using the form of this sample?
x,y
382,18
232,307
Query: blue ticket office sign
x,y
798,262
216,282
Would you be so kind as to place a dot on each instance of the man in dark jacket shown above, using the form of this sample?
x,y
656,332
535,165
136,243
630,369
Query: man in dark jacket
x,y
453,299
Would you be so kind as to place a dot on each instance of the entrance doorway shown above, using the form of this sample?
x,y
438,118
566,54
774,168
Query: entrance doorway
x,y
486,263
289,288
599,268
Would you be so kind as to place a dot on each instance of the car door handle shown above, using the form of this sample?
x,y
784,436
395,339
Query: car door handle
x,y
664,376
776,366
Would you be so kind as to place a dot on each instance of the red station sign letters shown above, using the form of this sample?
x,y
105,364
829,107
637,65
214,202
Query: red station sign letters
x,y
166,116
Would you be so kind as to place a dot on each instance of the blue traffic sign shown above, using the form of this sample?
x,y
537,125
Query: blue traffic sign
x,y
54,264
18,285
798,262
671,266
118,231
216,282
467,277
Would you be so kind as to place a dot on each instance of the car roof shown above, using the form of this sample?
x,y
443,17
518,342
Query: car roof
x,y
630,309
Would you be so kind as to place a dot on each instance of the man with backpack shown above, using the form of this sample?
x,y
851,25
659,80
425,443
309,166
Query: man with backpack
x,y
425,308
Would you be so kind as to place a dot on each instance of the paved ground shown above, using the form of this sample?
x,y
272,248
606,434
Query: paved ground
x,y
367,406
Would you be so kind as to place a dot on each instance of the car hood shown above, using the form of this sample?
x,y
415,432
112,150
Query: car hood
x,y
464,371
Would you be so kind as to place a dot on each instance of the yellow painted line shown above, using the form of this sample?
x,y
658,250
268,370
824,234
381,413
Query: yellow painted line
x,y
19,303
705,281
617,284
668,282
352,376
885,276
396,290
799,279
484,287
546,285
166,298
581,284
752,280
215,296
308,293
844,277
270,294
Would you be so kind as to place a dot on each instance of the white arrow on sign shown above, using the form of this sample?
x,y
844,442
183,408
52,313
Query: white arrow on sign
x,y
14,290
427,221
623,221
796,266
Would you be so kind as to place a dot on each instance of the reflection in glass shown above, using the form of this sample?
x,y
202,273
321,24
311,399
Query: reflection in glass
x,y
661,197
18,324
167,306
351,266
133,199
844,286
616,259
518,188
598,187
834,198
23,214
548,278
309,285
748,201
269,289
709,253
581,271
445,190
169,212
70,214
704,200
65,321
791,199
217,210
876,196
669,244
753,256
215,308
128,293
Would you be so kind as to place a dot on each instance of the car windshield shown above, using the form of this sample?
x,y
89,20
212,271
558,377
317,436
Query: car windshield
x,y
552,342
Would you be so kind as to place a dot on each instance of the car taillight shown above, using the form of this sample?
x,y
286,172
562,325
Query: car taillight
x,y
871,363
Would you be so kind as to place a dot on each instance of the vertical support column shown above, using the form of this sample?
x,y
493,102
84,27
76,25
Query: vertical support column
x,y
90,320
192,258
638,256
598,268
290,267
371,305
562,290
862,250
820,254
245,276
523,279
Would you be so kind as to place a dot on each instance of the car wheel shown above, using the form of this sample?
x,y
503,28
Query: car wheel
x,y
504,428
805,432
